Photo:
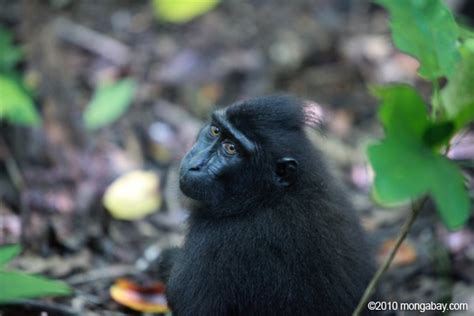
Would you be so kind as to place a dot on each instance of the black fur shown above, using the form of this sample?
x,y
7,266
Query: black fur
x,y
264,240
165,263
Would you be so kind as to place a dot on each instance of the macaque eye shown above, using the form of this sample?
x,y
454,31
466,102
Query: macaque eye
x,y
214,131
229,148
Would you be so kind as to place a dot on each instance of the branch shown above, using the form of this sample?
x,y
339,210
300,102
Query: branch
x,y
378,275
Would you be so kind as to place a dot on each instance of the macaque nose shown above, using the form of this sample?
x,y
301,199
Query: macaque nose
x,y
197,164
195,168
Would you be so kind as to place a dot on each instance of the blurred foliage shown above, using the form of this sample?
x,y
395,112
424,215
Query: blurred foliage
x,y
16,104
10,55
408,162
7,253
109,102
465,32
458,95
183,10
426,30
16,285
133,195
406,167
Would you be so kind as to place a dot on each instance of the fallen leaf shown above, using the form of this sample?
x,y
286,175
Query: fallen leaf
x,y
183,10
147,299
109,102
405,255
133,195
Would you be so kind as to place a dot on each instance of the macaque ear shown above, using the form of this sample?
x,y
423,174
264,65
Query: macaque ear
x,y
286,171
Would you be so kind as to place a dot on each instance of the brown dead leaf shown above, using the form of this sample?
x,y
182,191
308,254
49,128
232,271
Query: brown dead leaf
x,y
147,299
405,255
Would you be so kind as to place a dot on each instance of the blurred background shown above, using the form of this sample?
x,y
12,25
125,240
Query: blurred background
x,y
114,92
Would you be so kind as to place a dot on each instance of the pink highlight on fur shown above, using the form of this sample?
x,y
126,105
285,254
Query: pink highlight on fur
x,y
314,114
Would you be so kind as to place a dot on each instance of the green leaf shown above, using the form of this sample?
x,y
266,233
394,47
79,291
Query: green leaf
x,y
395,165
8,252
404,173
9,54
426,30
183,10
458,95
109,103
438,134
17,285
15,104
449,192
401,101
407,166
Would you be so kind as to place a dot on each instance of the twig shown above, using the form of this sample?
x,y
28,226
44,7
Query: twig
x,y
110,272
437,106
92,41
376,278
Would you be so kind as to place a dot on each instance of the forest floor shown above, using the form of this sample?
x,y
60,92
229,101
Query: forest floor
x,y
321,50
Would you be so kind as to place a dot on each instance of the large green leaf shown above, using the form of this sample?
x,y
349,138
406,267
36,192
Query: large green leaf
x,y
15,104
407,166
426,30
8,252
401,101
109,103
458,95
404,173
449,192
395,164
17,285
183,10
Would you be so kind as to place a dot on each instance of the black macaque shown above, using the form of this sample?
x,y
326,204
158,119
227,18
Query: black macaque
x,y
270,234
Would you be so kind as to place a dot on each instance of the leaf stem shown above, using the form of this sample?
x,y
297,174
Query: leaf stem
x,y
415,209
